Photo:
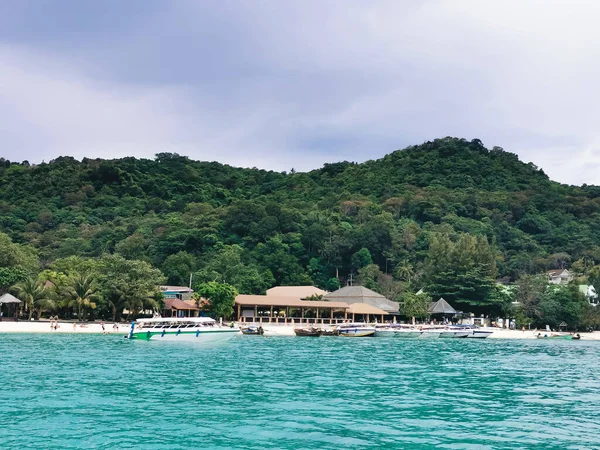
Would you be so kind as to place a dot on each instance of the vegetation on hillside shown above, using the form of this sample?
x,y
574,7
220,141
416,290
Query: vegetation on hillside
x,y
448,216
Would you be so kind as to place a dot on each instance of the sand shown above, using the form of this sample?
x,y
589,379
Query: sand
x,y
24,326
270,330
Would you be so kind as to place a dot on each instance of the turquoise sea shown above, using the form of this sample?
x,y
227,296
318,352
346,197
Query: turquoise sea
x,y
105,392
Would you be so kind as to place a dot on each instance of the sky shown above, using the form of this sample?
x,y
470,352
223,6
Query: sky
x,y
285,84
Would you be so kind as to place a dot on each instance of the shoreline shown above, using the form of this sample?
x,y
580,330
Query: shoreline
x,y
63,328
36,327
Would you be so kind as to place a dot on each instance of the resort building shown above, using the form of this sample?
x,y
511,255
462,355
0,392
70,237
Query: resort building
x,y
179,308
294,310
590,293
178,292
559,276
296,291
360,294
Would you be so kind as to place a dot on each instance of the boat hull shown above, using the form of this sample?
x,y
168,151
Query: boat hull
x,y
447,334
211,336
385,333
430,335
409,334
312,332
357,332
479,334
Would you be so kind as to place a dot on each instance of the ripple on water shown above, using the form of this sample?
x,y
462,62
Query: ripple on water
x,y
106,392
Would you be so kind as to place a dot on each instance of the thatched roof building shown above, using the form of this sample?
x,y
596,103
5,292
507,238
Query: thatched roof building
x,y
441,307
360,294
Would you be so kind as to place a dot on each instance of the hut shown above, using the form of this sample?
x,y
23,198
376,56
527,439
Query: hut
x,y
365,312
360,294
179,308
441,307
8,306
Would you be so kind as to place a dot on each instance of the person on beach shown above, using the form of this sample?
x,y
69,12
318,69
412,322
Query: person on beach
x,y
103,329
115,327
74,326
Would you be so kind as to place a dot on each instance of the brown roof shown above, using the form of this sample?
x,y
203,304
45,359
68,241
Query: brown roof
x,y
175,303
363,308
272,300
360,294
295,291
556,272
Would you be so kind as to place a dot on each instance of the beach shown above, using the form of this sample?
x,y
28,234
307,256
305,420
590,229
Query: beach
x,y
270,329
24,326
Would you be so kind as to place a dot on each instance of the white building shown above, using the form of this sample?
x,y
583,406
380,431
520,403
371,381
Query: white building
x,y
559,276
590,293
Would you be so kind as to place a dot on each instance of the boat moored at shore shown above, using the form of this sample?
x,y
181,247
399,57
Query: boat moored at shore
x,y
356,330
310,331
194,329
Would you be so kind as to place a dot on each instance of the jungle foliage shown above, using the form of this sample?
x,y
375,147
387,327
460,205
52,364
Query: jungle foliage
x,y
448,215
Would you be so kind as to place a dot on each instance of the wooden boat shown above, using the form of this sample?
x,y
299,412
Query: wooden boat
x,y
251,331
333,332
312,331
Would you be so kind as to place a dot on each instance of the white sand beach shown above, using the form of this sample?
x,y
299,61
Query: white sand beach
x,y
24,326
270,330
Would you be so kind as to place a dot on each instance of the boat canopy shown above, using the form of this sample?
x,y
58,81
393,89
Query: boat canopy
x,y
178,320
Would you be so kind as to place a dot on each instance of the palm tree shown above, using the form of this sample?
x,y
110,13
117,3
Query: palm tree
x,y
82,291
136,303
34,295
405,271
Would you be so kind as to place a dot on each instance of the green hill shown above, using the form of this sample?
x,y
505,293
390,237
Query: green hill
x,y
255,228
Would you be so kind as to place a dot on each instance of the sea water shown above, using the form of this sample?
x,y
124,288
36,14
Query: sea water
x,y
256,392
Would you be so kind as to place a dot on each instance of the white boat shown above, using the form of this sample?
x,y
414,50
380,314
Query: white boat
x,y
356,330
463,333
480,333
456,332
446,334
430,334
384,332
407,333
196,329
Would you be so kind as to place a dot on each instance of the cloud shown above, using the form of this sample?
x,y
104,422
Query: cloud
x,y
299,83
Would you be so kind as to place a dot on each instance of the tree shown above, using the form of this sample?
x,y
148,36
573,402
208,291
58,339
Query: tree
x,y
33,294
83,293
361,258
405,271
414,305
368,276
221,297
128,284
528,294
461,271
178,267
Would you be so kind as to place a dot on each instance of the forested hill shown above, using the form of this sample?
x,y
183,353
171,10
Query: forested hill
x,y
255,228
